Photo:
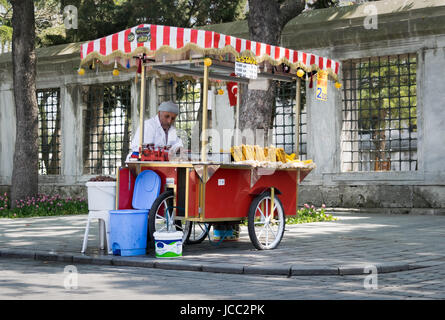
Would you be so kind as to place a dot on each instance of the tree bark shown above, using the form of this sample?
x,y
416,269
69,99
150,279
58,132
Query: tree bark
x,y
94,129
266,22
26,157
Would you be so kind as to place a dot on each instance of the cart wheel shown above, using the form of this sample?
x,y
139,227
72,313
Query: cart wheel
x,y
266,227
163,217
198,231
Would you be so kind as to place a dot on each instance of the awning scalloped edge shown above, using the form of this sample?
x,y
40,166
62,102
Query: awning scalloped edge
x,y
210,51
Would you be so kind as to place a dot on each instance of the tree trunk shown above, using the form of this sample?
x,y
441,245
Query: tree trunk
x,y
266,21
93,142
26,157
256,111
382,162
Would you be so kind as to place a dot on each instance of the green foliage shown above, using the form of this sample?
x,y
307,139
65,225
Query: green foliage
x,y
42,205
320,4
95,19
101,18
48,22
387,90
182,13
5,11
5,35
5,24
307,214
310,214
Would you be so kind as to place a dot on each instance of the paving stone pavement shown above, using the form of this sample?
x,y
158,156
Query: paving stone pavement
x,y
391,243
25,279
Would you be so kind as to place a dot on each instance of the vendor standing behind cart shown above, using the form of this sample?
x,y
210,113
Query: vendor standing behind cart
x,y
159,130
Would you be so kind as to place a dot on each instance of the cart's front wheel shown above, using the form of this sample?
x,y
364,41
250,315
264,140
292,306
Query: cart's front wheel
x,y
163,217
266,224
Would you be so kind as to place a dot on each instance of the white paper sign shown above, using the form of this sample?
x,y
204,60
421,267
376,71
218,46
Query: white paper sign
x,y
245,70
246,67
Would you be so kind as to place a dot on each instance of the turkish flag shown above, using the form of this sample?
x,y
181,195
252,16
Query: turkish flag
x,y
232,89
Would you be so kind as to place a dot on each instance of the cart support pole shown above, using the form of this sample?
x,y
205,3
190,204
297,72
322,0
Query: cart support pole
x,y
238,99
204,114
116,205
297,118
141,111
272,204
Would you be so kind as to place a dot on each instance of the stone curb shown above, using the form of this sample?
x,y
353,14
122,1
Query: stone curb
x,y
313,270
277,270
274,270
224,268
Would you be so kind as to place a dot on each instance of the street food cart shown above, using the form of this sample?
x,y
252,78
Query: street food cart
x,y
205,191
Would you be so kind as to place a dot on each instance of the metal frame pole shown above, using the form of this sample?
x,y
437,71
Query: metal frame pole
x,y
297,118
238,99
141,110
204,114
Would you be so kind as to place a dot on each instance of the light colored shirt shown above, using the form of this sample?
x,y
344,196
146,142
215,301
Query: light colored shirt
x,y
155,134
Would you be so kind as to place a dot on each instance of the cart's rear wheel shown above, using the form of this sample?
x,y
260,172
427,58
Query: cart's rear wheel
x,y
163,217
266,226
198,231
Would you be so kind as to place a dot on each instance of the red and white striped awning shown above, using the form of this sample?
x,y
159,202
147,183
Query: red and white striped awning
x,y
157,40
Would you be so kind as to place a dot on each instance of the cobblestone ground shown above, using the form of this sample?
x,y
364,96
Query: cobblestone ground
x,y
361,239
353,239
29,279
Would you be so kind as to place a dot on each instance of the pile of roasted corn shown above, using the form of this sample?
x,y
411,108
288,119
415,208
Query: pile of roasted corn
x,y
267,157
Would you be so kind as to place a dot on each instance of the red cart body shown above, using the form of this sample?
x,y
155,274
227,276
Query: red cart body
x,y
226,193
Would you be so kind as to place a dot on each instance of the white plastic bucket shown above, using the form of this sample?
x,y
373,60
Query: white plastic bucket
x,y
101,195
168,244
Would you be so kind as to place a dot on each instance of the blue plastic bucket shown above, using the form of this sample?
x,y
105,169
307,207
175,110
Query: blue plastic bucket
x,y
128,232
226,233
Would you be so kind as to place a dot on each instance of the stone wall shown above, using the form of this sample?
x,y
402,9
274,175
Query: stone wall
x,y
342,34
57,68
339,33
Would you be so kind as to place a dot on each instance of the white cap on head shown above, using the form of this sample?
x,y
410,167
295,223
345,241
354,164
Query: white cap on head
x,y
169,106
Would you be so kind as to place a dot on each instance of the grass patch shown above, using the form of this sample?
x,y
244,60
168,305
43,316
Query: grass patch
x,y
310,214
42,205
307,214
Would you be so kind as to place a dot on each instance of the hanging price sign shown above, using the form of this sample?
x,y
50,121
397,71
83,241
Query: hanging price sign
x,y
322,86
246,67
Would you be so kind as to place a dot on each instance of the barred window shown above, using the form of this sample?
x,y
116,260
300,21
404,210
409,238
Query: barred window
x,y
379,114
107,131
284,122
48,101
187,94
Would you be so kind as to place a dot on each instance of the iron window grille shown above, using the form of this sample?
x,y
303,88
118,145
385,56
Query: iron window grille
x,y
284,121
107,131
379,114
48,101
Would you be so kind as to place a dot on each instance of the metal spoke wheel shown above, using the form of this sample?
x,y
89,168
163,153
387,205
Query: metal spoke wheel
x,y
266,224
198,231
163,217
